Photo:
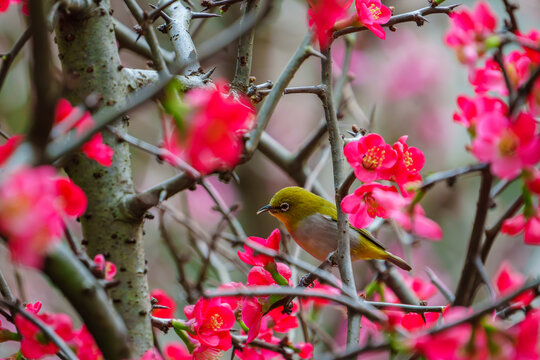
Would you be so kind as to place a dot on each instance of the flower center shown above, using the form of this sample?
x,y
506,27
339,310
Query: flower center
x,y
408,161
375,11
216,322
372,205
508,144
373,158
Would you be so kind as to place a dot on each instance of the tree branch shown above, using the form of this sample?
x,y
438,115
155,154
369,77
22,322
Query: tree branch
x,y
417,16
9,57
465,290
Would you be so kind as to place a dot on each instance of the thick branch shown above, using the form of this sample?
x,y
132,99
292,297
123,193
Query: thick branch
x,y
90,300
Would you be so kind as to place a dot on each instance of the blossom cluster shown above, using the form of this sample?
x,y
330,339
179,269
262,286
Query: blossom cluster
x,y
399,165
488,338
211,138
38,196
207,328
4,5
504,135
326,16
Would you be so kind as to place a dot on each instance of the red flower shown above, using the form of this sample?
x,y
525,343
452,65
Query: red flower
x,y
260,276
68,117
214,138
473,110
412,220
106,267
165,300
372,14
446,344
211,321
9,147
322,16
490,77
4,5
252,316
509,146
251,257
413,321
34,343
410,161
176,351
36,196
305,350
362,206
469,30
527,333
283,323
520,223
369,156
508,280
87,348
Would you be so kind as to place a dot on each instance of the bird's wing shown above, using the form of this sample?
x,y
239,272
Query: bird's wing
x,y
362,232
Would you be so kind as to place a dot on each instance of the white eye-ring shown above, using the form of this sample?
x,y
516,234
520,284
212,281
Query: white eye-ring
x,y
284,207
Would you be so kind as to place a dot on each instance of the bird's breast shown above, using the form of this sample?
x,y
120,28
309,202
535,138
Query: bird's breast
x,y
316,235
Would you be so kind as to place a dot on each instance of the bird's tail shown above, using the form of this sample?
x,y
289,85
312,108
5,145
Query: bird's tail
x,y
399,262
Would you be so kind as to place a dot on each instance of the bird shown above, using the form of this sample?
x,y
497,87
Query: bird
x,y
312,223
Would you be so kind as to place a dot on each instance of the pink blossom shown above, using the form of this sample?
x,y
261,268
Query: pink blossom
x,y
323,14
87,348
529,225
469,30
490,77
252,257
36,196
527,333
232,301
446,345
106,267
305,350
413,321
252,314
211,321
412,220
372,14
473,110
34,343
260,276
509,146
9,147
151,354
283,323
410,161
508,280
362,206
214,135
531,41
163,299
369,156
176,351
70,117
4,5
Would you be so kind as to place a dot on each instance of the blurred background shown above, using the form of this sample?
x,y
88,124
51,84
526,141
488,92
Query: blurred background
x,y
411,80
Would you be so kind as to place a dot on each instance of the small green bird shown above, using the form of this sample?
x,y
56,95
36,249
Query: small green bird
x,y
312,223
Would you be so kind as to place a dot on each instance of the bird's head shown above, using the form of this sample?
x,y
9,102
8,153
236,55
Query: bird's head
x,y
292,204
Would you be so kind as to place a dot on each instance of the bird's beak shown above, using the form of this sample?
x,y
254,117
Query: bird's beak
x,y
264,209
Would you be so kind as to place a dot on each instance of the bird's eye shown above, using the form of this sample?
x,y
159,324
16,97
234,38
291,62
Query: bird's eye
x,y
284,207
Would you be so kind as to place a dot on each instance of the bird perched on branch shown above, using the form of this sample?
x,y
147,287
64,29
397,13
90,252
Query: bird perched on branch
x,y
312,223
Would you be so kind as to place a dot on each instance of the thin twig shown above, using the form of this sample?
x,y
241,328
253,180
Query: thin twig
x,y
443,289
450,175
484,276
492,232
9,57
